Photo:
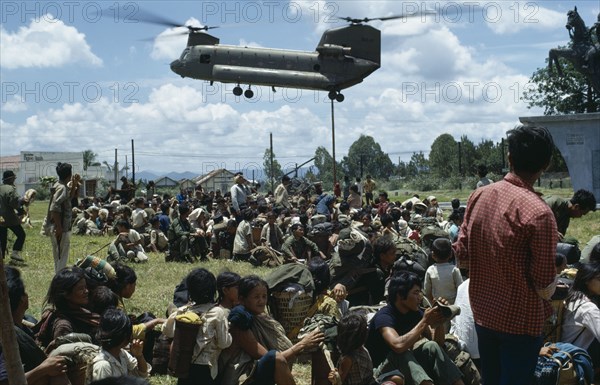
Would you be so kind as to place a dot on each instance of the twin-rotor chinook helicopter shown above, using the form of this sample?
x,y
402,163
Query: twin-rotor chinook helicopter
x,y
343,58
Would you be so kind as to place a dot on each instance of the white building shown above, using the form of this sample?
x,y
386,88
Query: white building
x,y
31,166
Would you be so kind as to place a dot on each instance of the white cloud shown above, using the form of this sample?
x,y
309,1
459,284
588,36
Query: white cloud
x,y
46,42
515,17
15,104
170,42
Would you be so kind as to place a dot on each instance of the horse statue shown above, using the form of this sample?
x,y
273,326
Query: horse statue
x,y
583,53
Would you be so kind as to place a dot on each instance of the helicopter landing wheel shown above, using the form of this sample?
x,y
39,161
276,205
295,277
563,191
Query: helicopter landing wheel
x,y
237,91
332,94
339,98
249,93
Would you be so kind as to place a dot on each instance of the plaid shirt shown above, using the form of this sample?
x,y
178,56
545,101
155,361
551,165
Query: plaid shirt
x,y
508,239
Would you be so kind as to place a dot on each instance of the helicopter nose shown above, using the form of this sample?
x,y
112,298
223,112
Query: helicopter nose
x,y
177,66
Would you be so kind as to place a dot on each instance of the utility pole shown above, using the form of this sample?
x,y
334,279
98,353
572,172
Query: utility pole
x,y
132,164
272,169
333,144
116,169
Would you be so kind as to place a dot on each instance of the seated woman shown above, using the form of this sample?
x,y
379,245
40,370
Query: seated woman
x,y
124,287
66,308
259,342
581,323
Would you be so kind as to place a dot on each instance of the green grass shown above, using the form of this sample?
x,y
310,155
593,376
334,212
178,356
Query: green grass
x,y
157,279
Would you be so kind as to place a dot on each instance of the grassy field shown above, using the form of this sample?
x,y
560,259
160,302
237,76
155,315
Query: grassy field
x,y
157,279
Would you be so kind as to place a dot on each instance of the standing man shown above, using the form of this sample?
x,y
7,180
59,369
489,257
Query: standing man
x,y
9,203
60,216
281,194
239,195
368,187
508,242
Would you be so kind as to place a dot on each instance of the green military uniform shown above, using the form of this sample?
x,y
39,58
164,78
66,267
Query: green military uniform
x,y
181,245
298,248
560,208
9,203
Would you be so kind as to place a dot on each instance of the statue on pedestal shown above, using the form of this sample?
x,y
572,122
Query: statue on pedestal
x,y
584,52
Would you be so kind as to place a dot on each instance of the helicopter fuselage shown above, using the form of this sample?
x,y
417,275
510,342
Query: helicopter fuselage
x,y
330,68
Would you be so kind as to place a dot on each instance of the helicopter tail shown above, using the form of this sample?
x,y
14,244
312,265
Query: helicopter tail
x,y
363,40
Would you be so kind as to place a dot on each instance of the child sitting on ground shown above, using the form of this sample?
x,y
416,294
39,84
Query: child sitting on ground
x,y
443,278
355,366
213,335
114,334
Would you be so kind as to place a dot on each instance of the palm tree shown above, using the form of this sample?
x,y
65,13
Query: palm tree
x,y
89,159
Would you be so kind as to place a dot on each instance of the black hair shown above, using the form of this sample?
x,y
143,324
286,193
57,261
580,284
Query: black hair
x,y
103,298
396,214
482,170
595,254
585,273
248,283
226,279
442,247
285,178
409,205
295,226
560,260
16,286
202,286
585,199
381,246
248,214
154,219
114,329
183,209
62,284
124,276
455,203
352,332
64,170
383,194
124,222
165,207
319,270
400,285
263,209
530,148
354,188
386,219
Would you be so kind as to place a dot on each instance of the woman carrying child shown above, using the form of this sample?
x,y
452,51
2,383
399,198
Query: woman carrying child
x,y
113,360
260,348
213,335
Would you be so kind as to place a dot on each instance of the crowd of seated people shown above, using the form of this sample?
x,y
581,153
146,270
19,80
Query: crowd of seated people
x,y
387,265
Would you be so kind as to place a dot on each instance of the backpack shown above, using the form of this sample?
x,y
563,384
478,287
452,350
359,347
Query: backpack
x,y
462,360
569,366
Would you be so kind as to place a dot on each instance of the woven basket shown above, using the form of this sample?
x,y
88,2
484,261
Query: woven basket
x,y
290,318
182,348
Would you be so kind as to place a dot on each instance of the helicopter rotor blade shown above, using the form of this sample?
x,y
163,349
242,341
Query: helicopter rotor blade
x,y
151,18
405,16
386,18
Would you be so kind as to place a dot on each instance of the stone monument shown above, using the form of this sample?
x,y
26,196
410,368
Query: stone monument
x,y
577,137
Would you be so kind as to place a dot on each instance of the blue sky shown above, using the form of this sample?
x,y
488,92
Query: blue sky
x,y
73,81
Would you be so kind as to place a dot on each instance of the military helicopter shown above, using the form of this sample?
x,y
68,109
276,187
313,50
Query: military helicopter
x,y
343,58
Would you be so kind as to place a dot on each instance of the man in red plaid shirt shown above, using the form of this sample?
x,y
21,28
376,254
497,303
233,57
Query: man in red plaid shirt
x,y
508,242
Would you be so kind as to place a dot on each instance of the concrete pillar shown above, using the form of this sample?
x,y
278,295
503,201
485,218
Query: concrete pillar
x,y
577,137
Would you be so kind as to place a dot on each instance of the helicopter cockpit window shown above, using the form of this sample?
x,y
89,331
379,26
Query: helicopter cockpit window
x,y
205,58
184,54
